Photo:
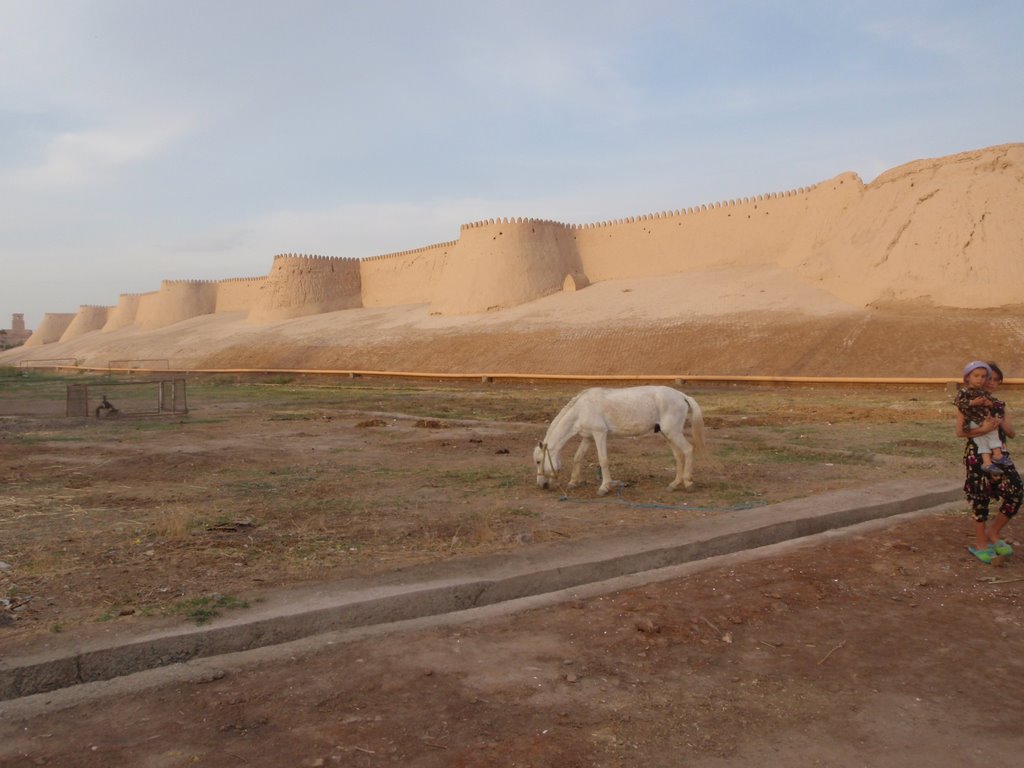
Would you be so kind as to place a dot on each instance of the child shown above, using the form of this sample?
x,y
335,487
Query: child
x,y
976,405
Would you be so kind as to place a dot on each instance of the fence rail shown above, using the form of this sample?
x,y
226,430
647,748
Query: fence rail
x,y
50,362
133,363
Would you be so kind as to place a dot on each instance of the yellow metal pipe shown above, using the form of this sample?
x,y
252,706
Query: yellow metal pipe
x,y
538,376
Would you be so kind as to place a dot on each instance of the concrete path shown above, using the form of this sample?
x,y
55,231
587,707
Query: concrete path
x,y
459,585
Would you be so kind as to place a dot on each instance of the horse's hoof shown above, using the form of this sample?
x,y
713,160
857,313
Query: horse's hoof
x,y
570,486
602,491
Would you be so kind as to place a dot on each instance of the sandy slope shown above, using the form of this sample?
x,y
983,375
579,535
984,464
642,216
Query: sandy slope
x,y
727,322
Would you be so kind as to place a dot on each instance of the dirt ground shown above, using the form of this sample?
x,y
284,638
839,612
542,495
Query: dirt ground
x,y
885,647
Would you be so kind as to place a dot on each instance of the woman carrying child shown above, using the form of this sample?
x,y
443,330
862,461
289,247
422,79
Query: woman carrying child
x,y
981,487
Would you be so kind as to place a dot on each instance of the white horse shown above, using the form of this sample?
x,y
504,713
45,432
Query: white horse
x,y
597,412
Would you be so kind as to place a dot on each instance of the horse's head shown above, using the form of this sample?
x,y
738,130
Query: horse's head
x,y
547,464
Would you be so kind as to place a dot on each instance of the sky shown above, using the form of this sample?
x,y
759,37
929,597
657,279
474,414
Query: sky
x,y
143,140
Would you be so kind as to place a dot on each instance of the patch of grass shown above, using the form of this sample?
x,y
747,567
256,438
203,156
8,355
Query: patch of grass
x,y
36,438
202,609
176,522
523,512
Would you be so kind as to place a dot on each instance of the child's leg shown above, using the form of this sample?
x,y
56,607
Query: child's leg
x,y
992,531
981,534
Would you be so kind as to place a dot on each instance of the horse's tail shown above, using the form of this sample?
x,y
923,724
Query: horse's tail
x,y
697,426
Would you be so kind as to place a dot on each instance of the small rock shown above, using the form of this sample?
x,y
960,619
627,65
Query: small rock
x,y
209,677
646,625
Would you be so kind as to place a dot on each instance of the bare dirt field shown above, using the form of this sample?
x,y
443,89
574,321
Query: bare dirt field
x,y
884,647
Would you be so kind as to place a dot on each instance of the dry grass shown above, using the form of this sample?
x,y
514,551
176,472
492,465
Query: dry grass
x,y
235,498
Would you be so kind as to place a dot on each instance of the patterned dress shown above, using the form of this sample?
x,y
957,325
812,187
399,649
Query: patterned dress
x,y
981,489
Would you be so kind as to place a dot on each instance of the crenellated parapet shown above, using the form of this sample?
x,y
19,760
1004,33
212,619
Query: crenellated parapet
x,y
509,220
412,252
251,279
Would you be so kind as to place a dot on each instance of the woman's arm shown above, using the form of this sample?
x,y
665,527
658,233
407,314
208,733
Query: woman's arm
x,y
1007,425
986,426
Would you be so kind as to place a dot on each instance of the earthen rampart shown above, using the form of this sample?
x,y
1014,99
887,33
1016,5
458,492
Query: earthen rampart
x,y
946,231
307,285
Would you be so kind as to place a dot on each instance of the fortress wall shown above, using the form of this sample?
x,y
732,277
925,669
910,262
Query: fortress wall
x,y
88,319
409,277
307,285
178,300
734,233
124,313
944,231
51,328
502,263
148,309
238,294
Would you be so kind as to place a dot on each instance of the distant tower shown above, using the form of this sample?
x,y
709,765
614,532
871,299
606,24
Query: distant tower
x,y
18,322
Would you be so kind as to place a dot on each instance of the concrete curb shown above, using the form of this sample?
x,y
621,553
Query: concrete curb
x,y
462,585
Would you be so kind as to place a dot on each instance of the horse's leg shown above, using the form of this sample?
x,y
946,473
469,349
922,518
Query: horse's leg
x,y
683,452
577,461
601,441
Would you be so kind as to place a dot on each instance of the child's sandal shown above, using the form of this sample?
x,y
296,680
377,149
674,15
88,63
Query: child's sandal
x,y
985,554
1001,548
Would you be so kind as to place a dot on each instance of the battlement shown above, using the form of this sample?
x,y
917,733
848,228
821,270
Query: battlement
x,y
651,216
175,283
256,279
313,257
411,252
510,220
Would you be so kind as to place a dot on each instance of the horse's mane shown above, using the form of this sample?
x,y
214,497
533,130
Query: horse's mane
x,y
562,413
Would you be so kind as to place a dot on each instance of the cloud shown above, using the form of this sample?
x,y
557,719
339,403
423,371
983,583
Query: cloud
x,y
74,159
946,39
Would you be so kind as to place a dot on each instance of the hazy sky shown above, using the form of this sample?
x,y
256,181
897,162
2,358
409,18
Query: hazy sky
x,y
143,140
